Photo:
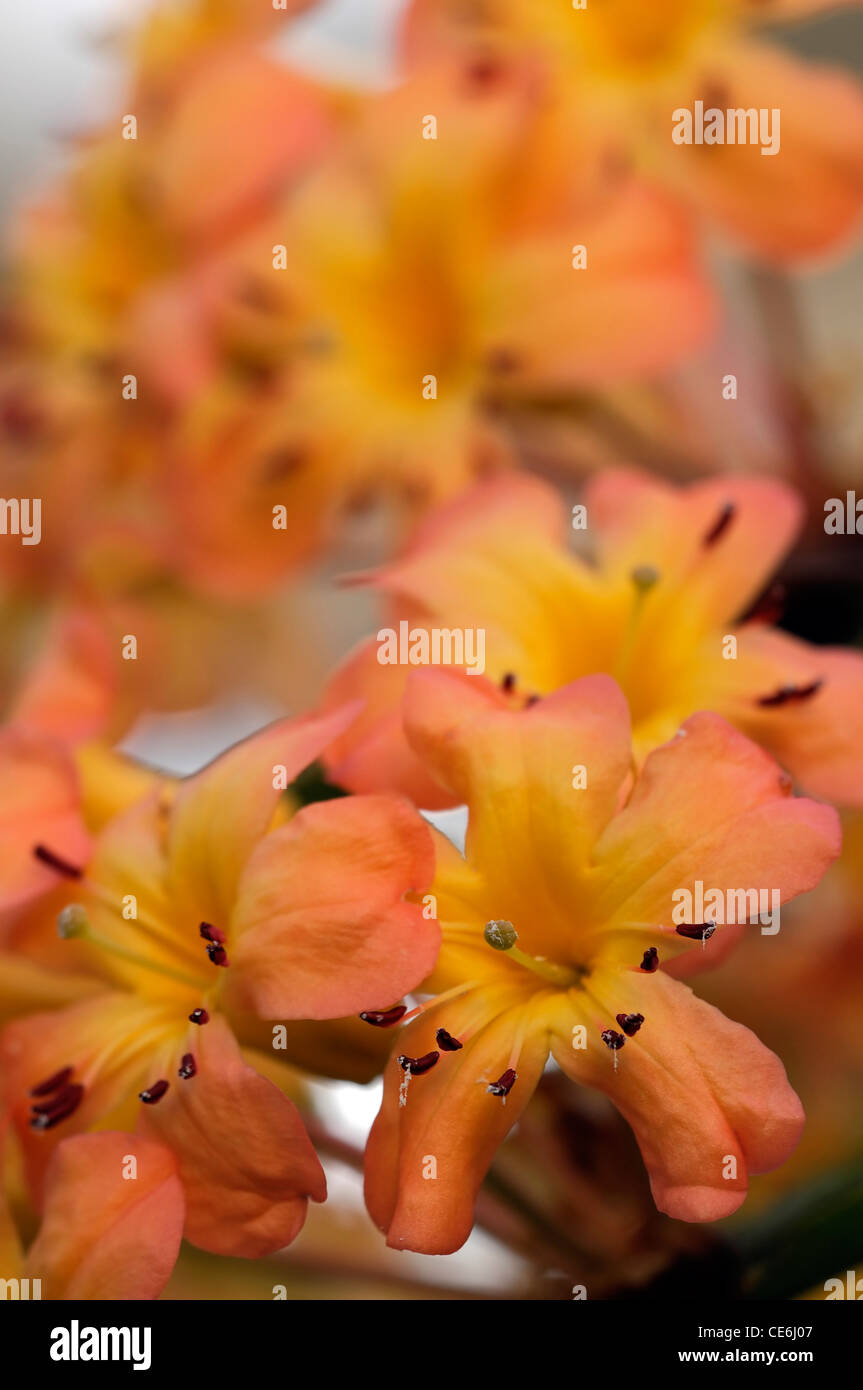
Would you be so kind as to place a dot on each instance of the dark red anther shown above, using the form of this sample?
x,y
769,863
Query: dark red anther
x,y
384,1018
54,861
531,701
769,607
58,1108
153,1093
187,1067
612,1039
507,683
630,1023
199,1016
417,1065
650,960
504,1084
789,694
53,1083
446,1042
698,931
212,933
218,955
720,525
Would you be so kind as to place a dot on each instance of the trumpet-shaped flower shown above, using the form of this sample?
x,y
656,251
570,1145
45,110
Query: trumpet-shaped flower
x,y
671,607
791,188
557,927
203,902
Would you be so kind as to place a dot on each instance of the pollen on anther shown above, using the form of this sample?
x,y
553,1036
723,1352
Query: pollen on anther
x,y
154,1093
218,955
504,1084
384,1018
199,1016
697,931
51,1112
446,1042
416,1066
210,933
613,1039
630,1023
188,1067
650,960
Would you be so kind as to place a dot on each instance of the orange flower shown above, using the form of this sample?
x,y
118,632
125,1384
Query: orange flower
x,y
554,925
635,66
202,903
662,608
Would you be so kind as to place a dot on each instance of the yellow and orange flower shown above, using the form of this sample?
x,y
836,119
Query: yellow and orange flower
x,y
663,608
630,66
204,905
581,875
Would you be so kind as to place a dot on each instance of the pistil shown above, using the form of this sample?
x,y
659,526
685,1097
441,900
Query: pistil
x,y
502,936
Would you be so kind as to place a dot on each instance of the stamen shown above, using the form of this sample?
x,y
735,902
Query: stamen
x,y
789,694
199,1016
154,1093
698,931
59,1108
384,1018
504,1084
54,861
446,1042
418,1066
720,525
507,684
218,955
53,1083
210,933
440,999
613,1039
650,960
73,923
630,1023
188,1067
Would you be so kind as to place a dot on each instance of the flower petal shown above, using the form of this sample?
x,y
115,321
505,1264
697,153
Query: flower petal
x,y
707,1101
245,1160
106,1234
807,196
820,739
321,928
41,806
426,1159
222,812
638,305
709,806
642,521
